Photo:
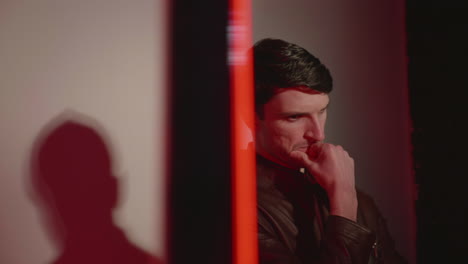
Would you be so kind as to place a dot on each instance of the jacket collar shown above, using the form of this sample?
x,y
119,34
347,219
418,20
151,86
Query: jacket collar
x,y
274,175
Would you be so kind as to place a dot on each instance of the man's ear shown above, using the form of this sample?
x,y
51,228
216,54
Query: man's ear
x,y
257,120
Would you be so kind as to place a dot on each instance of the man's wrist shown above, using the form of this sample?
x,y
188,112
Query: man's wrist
x,y
343,203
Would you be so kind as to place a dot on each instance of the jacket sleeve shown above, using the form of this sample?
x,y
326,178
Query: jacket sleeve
x,y
344,242
385,247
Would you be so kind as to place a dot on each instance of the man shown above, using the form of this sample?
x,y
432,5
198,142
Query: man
x,y
308,208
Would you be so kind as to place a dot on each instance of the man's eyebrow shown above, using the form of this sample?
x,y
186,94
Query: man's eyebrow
x,y
292,113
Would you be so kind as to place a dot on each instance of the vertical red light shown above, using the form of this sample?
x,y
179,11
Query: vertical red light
x,y
243,158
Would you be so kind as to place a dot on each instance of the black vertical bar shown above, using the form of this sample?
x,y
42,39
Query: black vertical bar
x,y
438,81
199,170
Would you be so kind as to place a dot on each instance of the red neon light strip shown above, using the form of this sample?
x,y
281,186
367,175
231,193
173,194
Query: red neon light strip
x,y
243,160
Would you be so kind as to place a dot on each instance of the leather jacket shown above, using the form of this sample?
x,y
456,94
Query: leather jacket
x,y
294,225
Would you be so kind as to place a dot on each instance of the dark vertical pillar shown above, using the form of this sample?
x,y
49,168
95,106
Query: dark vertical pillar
x,y
438,81
199,206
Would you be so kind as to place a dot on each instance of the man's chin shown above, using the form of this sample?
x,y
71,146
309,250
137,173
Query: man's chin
x,y
295,163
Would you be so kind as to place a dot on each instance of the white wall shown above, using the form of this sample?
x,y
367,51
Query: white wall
x,y
103,59
363,44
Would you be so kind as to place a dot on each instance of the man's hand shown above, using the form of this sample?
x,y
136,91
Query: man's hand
x,y
333,169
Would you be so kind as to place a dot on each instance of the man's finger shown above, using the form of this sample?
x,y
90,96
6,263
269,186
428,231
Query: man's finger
x,y
314,150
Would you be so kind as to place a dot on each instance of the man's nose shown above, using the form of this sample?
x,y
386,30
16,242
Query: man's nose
x,y
314,131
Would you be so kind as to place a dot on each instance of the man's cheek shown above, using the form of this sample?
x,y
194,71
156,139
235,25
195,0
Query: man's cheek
x,y
286,145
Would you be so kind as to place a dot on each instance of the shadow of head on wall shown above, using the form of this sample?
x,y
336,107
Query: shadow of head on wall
x,y
72,181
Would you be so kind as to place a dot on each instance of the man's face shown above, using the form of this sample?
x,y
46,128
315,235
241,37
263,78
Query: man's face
x,y
294,119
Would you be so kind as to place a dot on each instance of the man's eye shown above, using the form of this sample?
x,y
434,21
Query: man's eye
x,y
293,117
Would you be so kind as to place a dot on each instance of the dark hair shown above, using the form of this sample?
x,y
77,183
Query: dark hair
x,y
280,64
